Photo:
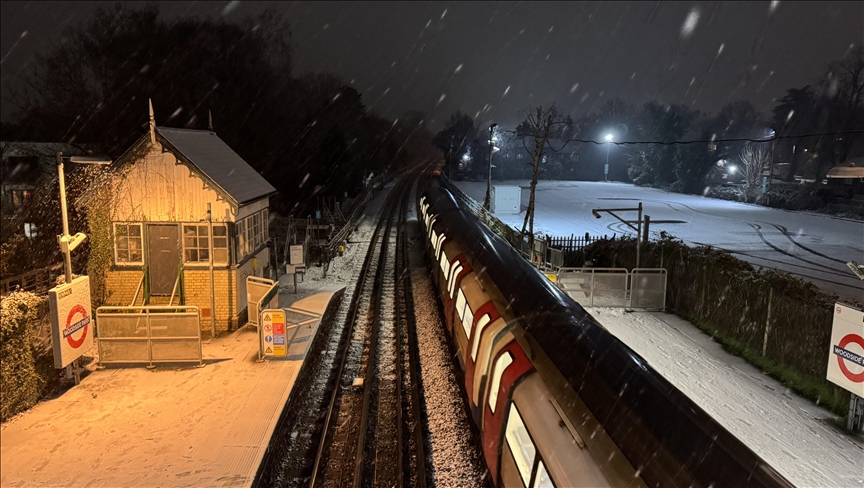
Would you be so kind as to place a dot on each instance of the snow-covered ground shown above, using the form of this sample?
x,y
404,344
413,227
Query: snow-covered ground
x,y
814,247
800,440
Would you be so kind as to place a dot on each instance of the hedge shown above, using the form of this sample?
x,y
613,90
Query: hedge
x,y
780,323
20,386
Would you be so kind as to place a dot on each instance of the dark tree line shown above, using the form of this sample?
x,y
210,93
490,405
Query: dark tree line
x,y
309,136
832,107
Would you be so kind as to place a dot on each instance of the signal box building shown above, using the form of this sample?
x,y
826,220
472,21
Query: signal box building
x,y
160,234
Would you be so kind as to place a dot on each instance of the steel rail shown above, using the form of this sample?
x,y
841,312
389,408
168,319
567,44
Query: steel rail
x,y
345,347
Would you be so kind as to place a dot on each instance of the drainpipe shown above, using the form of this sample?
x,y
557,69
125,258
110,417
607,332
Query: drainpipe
x,y
212,287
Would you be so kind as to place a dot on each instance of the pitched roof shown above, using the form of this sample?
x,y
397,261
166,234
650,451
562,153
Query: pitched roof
x,y
204,150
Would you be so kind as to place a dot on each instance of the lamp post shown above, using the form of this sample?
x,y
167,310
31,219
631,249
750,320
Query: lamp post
x,y
67,242
771,134
487,204
609,138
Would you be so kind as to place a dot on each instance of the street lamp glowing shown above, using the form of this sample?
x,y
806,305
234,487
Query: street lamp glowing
x,y
69,242
609,137
733,169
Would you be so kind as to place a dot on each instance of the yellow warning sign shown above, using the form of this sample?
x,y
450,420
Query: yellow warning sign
x,y
268,350
280,351
267,317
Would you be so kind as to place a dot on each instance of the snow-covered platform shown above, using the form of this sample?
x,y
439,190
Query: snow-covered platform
x,y
800,440
182,426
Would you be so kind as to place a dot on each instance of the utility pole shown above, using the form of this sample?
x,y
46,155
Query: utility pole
x,y
487,204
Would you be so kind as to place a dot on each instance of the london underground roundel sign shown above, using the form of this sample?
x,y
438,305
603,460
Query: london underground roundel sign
x,y
71,320
846,355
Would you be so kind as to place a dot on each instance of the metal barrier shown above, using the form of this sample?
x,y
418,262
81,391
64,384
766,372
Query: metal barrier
x,y
643,288
149,334
260,291
648,288
595,287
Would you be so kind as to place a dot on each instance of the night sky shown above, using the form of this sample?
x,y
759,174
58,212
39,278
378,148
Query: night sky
x,y
493,59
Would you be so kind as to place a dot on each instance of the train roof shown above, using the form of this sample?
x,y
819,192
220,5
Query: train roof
x,y
612,379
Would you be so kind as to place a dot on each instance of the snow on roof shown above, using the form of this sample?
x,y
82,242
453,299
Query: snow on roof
x,y
215,159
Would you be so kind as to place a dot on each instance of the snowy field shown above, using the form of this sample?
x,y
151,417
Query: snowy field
x,y
797,438
812,246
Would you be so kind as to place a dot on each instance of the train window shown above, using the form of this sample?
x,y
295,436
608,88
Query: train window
x,y
445,266
480,324
542,480
521,446
501,364
468,321
460,304
440,243
433,237
453,274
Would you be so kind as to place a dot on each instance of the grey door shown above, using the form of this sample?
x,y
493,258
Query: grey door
x,y
163,257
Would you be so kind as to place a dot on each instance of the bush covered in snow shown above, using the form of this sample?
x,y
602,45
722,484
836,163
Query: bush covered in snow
x,y
20,385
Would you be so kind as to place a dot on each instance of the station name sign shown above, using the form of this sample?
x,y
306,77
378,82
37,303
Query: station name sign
x,y
846,355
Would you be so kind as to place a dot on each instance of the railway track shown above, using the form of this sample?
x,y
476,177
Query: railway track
x,y
372,433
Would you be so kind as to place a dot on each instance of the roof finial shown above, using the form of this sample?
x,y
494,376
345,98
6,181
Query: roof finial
x,y
210,124
152,123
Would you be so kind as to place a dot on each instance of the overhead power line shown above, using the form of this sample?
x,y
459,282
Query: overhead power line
x,y
700,141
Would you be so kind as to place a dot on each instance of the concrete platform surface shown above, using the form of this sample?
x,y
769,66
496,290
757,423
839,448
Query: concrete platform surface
x,y
178,426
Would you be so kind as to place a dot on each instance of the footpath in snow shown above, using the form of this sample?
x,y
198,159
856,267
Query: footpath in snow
x,y
802,441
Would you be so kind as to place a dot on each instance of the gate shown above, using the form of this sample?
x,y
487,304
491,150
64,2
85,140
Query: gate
x,y
149,334
643,288
261,293
648,288
595,287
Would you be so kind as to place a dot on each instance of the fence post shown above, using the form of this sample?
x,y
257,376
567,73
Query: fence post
x,y
767,321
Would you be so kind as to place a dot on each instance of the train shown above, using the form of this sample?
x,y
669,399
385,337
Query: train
x,y
557,399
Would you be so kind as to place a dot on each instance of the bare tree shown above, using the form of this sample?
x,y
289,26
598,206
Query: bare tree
x,y
753,161
540,122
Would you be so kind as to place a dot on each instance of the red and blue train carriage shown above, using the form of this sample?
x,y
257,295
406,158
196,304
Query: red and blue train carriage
x,y
558,400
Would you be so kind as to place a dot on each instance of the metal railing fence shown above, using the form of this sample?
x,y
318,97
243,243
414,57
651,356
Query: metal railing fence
x,y
643,288
260,293
149,334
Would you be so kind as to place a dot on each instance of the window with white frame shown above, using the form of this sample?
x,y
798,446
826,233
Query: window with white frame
x,y
252,233
501,364
196,243
128,248
521,445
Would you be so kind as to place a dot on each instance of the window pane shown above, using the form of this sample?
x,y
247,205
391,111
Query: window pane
x,y
457,268
220,242
460,304
500,365
543,480
122,243
220,230
122,256
135,230
190,242
192,255
220,256
135,257
477,335
121,230
203,255
202,230
135,243
189,230
520,445
468,321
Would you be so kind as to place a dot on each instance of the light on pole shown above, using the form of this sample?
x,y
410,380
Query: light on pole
x,y
67,242
487,204
609,137
771,134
